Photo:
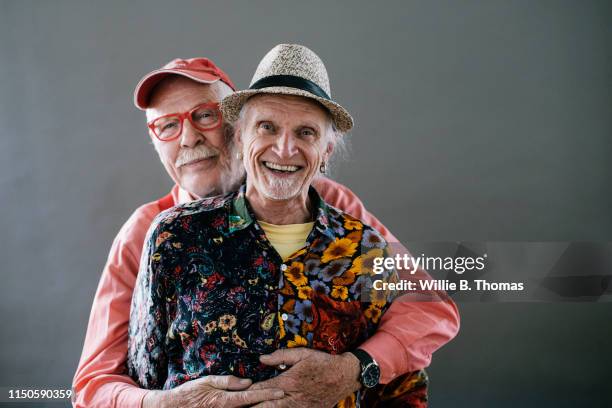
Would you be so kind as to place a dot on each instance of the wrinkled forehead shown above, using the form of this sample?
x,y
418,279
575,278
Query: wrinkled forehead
x,y
179,94
285,107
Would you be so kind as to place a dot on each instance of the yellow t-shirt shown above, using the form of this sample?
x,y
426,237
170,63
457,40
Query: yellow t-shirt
x,y
287,239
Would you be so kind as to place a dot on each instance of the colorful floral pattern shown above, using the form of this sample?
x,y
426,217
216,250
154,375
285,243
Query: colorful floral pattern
x,y
213,295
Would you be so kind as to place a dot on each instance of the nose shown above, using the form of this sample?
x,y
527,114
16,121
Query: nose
x,y
190,136
285,146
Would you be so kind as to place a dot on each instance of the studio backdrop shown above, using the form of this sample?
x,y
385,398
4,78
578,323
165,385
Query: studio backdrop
x,y
475,121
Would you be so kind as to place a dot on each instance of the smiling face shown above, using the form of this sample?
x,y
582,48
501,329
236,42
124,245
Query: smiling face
x,y
284,140
201,162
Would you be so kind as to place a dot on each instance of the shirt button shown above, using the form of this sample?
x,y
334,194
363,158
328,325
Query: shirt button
x,y
283,267
284,316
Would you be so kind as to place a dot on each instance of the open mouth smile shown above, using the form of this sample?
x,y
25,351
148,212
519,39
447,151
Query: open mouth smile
x,y
280,168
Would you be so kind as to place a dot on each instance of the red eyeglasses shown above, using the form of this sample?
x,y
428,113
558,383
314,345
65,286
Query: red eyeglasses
x,y
206,116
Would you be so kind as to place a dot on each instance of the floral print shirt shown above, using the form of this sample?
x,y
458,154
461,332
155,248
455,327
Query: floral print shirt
x,y
212,294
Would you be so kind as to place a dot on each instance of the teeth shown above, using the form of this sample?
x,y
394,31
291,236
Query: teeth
x,y
275,166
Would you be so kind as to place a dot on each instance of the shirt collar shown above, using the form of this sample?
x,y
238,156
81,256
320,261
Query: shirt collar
x,y
183,196
242,215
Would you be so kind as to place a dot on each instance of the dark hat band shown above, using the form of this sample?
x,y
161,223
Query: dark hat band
x,y
290,81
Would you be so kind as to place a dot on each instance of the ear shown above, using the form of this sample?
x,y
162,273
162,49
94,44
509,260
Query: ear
x,y
149,116
238,135
154,141
328,151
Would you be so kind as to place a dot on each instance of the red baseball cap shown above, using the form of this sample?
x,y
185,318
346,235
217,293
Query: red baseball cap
x,y
200,70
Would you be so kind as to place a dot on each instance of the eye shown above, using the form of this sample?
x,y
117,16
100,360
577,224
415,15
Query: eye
x,y
168,126
203,115
267,126
307,132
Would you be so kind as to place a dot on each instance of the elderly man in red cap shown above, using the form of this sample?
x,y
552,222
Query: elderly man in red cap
x,y
196,148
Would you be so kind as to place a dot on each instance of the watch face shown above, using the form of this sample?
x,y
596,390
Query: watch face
x,y
370,376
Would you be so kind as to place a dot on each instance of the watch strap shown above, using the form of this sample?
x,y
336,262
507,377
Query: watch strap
x,y
363,357
369,370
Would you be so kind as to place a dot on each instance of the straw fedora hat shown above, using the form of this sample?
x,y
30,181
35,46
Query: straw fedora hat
x,y
290,69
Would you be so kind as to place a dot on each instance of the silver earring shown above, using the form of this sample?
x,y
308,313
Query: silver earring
x,y
323,168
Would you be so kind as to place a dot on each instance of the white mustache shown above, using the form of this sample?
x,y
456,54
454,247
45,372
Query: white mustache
x,y
197,153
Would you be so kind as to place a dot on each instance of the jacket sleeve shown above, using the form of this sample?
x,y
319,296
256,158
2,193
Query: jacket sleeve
x,y
101,380
413,326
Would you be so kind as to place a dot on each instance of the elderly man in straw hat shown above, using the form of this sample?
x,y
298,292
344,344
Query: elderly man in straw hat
x,y
226,281
198,159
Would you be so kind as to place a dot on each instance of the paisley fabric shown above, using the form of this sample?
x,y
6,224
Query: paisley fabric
x,y
213,295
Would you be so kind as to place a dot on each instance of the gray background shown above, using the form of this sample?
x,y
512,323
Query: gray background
x,y
476,120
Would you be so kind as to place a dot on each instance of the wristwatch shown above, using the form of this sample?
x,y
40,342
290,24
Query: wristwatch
x,y
370,371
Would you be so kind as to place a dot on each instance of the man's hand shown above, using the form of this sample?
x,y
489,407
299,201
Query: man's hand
x,y
211,391
315,378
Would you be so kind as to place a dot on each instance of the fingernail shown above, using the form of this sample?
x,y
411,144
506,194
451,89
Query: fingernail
x,y
278,394
244,381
